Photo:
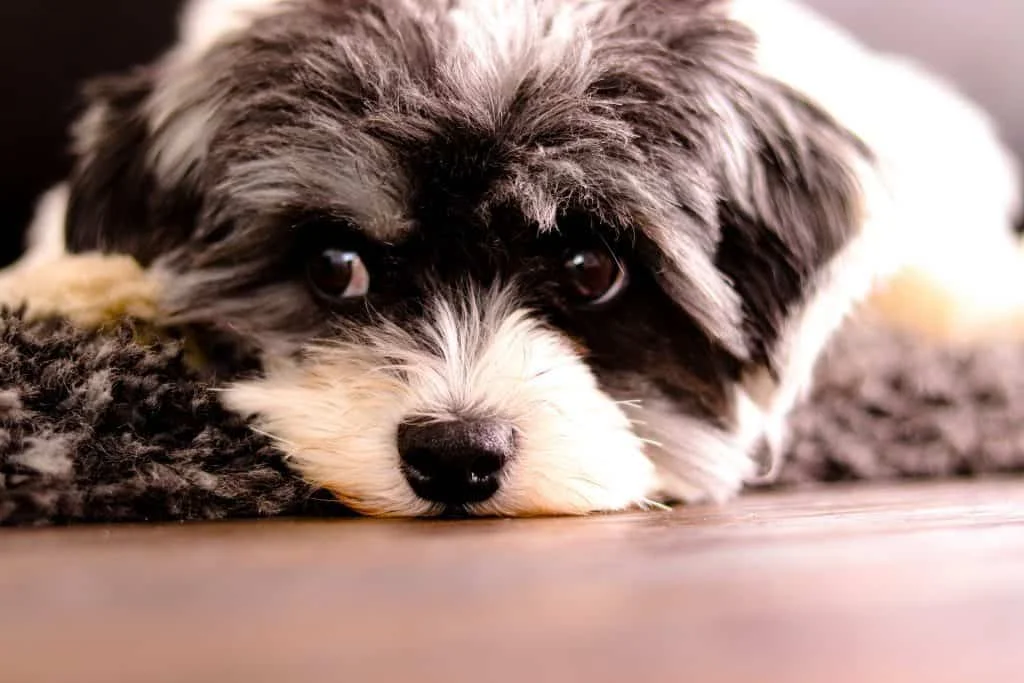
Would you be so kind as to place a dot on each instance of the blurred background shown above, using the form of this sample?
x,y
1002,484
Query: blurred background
x,y
47,47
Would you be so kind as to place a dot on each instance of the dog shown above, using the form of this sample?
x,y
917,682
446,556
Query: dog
x,y
529,257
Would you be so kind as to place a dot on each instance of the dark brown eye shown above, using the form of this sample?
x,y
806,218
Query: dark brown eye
x,y
594,276
338,274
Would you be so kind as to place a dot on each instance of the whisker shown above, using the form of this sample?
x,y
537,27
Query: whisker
x,y
647,504
268,435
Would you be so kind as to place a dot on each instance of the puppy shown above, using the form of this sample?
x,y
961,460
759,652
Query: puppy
x,y
520,257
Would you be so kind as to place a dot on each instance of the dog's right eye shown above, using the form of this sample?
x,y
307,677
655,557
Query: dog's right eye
x,y
594,276
337,274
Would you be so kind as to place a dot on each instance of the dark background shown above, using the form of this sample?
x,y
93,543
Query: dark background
x,y
48,46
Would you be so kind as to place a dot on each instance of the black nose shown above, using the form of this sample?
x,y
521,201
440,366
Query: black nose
x,y
457,462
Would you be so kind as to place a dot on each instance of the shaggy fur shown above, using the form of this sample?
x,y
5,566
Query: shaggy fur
x,y
98,428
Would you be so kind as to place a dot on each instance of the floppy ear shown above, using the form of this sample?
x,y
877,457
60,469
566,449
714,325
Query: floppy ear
x,y
115,202
774,199
763,183
789,207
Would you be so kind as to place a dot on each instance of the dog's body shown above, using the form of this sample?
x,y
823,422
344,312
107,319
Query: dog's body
x,y
532,256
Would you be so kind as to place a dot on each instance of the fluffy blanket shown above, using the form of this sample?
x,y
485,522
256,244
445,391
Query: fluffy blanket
x,y
98,427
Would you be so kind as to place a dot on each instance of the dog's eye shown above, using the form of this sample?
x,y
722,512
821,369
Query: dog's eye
x,y
594,276
338,274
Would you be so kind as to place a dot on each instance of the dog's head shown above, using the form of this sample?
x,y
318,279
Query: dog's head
x,y
498,256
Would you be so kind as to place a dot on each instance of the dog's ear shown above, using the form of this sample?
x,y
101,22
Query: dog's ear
x,y
763,184
116,203
773,199
790,206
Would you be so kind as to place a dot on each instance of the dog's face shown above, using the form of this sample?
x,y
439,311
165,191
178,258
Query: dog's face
x,y
497,257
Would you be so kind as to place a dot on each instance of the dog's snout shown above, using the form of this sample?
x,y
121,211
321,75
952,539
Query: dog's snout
x,y
456,462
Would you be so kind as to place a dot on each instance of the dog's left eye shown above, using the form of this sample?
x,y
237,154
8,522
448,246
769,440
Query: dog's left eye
x,y
594,276
338,274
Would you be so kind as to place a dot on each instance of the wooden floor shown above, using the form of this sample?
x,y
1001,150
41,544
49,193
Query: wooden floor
x,y
901,585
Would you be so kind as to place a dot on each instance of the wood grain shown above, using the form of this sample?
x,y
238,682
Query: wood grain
x,y
915,583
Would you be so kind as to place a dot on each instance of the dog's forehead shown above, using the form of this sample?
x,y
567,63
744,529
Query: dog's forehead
x,y
392,113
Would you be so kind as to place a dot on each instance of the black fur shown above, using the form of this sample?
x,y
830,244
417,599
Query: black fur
x,y
116,203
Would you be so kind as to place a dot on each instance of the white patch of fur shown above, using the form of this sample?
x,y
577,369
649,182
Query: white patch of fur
x,y
181,114
88,132
696,462
499,42
336,414
182,135
204,22
45,239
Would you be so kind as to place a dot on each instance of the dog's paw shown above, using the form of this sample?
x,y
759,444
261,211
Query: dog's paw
x,y
90,290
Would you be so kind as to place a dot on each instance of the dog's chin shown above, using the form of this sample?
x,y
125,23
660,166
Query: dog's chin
x,y
336,413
